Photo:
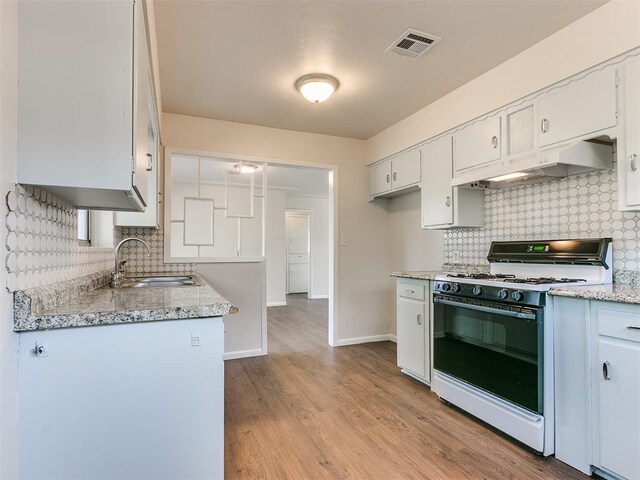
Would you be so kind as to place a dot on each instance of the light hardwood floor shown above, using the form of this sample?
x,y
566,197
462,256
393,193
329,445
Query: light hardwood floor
x,y
309,411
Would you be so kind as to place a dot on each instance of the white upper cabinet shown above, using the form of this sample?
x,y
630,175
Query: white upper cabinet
x,y
82,101
444,206
580,108
380,178
396,175
629,150
477,144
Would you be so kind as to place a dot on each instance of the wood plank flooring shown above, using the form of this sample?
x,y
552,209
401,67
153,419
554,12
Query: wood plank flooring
x,y
309,411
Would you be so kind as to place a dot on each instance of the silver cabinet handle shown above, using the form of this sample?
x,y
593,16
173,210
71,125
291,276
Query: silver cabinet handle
x,y
633,327
632,162
395,176
388,178
494,141
412,291
419,318
605,371
447,201
544,125
149,162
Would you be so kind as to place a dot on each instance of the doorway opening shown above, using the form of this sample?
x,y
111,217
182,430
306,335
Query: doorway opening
x,y
299,252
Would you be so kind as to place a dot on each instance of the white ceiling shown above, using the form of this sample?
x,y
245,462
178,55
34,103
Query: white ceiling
x,y
295,180
238,60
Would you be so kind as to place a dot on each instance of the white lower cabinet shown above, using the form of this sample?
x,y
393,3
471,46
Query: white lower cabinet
x,y
597,386
414,328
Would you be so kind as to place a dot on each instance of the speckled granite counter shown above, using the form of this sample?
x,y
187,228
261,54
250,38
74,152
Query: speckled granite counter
x,y
611,292
89,301
429,275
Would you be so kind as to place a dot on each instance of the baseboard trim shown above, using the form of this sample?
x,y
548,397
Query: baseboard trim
x,y
318,297
370,339
276,304
393,338
256,352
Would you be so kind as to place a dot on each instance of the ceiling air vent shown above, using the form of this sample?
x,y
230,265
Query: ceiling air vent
x,y
413,44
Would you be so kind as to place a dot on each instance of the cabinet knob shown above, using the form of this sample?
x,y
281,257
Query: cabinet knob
x,y
632,162
606,366
494,141
419,319
447,201
388,178
395,176
544,125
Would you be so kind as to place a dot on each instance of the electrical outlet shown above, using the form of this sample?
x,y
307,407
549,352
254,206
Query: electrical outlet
x,y
196,339
344,240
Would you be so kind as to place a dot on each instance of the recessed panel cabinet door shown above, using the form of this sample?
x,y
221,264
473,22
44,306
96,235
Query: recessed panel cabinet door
x,y
380,178
437,193
477,144
629,164
585,106
405,169
411,336
141,153
620,406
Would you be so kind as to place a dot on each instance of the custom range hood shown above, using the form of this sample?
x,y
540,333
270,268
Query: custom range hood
x,y
556,162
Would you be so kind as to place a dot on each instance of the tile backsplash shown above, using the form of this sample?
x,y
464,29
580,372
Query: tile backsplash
x,y
138,262
580,206
42,241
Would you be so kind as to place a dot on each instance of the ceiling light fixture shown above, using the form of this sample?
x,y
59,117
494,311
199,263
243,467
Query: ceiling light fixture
x,y
317,87
245,167
508,176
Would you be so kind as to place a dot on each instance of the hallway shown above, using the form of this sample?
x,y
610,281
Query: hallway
x,y
307,410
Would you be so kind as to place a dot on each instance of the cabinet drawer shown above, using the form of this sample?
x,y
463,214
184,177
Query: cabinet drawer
x,y
619,324
411,290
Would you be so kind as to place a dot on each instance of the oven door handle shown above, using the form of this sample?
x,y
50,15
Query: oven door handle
x,y
507,313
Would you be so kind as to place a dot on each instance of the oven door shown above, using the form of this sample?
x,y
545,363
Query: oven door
x,y
491,346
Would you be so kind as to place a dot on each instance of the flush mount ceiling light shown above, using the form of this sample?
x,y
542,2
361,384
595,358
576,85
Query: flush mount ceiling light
x,y
245,167
508,176
317,87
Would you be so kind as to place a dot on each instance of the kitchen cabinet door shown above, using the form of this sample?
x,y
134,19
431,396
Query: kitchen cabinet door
x,y
411,335
629,150
477,144
380,178
619,401
582,107
406,169
78,92
437,193
142,157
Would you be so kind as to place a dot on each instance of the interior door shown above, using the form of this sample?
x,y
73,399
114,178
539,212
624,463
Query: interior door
x,y
298,252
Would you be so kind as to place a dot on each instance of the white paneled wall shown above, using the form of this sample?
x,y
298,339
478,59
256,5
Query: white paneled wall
x,y
42,241
580,206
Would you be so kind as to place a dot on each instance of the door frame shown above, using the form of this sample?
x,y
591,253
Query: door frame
x,y
309,215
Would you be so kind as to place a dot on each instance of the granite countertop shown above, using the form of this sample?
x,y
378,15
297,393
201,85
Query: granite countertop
x,y
426,275
610,292
93,302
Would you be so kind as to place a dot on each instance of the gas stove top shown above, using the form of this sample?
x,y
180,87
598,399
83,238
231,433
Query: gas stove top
x,y
510,278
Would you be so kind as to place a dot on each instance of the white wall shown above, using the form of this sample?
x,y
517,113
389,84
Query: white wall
x,y
319,208
8,339
276,246
363,266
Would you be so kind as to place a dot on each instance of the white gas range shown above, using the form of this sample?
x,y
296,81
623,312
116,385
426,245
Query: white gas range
x,y
493,333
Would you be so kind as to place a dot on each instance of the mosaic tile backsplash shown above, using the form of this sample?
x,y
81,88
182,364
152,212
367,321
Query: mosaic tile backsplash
x,y
580,206
42,242
138,262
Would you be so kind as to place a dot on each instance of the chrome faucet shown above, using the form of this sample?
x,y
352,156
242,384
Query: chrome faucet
x,y
119,266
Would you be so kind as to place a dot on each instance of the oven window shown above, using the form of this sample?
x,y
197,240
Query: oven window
x,y
492,351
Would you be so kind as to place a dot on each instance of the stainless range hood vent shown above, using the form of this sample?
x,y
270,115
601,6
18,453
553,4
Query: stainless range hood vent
x,y
561,161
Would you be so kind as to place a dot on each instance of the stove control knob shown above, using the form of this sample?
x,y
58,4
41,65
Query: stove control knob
x,y
477,290
446,287
503,294
517,296
455,288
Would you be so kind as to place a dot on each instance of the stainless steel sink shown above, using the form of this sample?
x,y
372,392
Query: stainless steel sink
x,y
170,281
